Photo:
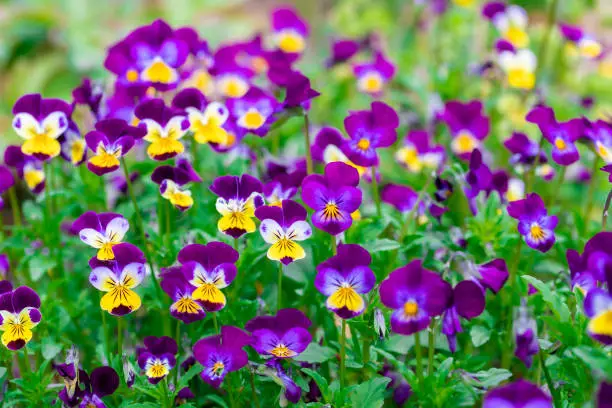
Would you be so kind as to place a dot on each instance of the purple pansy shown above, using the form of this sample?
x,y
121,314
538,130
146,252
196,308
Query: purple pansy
x,y
157,357
254,112
480,178
40,122
221,354
589,268
118,278
206,120
373,75
468,126
29,168
401,389
598,307
184,307
291,392
101,382
525,336
279,189
418,153
299,92
101,231
524,150
599,133
6,181
171,181
231,79
604,395
238,199
415,294
208,268
284,335
334,196
534,223
164,125
369,130
518,394
344,279
281,227
586,45
89,93
342,50
19,314
403,198
289,30
327,148
561,135
112,139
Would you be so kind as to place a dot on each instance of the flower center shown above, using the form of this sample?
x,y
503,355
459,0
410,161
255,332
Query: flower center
x,y
291,42
411,309
253,119
363,144
131,75
105,253
331,211
371,83
517,37
157,369
537,233
187,305
282,351
521,78
464,142
235,88
560,144
158,71
218,368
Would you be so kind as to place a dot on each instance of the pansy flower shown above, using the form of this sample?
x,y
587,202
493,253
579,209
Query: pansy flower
x,y
101,231
468,301
171,181
481,179
578,42
401,389
416,294
600,134
209,268
535,225
418,153
524,150
118,279
40,122
598,307
5,268
561,135
333,196
283,335
525,331
282,227
89,93
299,92
19,314
231,79
221,354
289,30
6,181
254,111
342,50
184,307
73,146
519,67
157,357
369,130
151,54
588,269
518,394
279,189
372,76
404,199
101,382
238,198
112,139
165,127
206,120
510,21
344,279
468,126
327,148
28,168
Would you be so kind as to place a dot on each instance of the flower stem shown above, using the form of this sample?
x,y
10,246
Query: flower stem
x,y
119,336
549,381
604,218
431,349
375,194
105,333
309,165
280,287
334,245
15,206
215,322
560,181
417,355
26,363
590,197
342,353
177,338
509,303
542,51
253,389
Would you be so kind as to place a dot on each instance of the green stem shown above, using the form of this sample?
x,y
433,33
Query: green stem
x,y
549,382
167,402
557,189
280,287
431,349
15,206
342,353
105,333
253,389
177,338
168,223
309,164
375,194
215,322
417,355
509,304
334,245
590,196
604,218
552,17
120,336
26,363
236,244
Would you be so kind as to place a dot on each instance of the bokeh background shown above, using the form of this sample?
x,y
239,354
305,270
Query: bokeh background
x,y
47,46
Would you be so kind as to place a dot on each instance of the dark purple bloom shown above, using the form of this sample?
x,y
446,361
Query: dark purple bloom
x,y
598,306
112,139
157,357
254,112
561,135
281,227
333,196
28,168
604,395
40,122
289,29
468,126
221,354
480,178
298,89
524,150
491,8
444,189
327,148
369,130
416,294
101,231
519,394
183,395
600,134
238,199
89,93
344,278
103,381
535,225
467,301
171,180
525,336
417,152
342,50
6,181
401,389
589,268
209,268
5,267
403,198
284,335
19,314
372,76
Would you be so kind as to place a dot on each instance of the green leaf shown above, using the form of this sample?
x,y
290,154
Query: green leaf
x,y
491,377
50,349
185,378
554,300
370,393
480,335
380,245
315,353
596,359
216,399
321,382
39,265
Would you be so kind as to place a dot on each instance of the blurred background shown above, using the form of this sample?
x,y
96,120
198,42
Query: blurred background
x,y
47,46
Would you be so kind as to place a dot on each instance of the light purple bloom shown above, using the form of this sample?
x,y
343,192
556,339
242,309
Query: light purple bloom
x,y
157,357
284,335
342,50
468,126
519,394
372,76
290,30
534,223
255,111
589,268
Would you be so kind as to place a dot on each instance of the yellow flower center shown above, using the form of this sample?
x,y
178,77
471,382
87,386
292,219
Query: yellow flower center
x,y
33,178
253,119
517,37
411,309
521,78
464,142
234,88
131,75
282,351
560,144
76,151
331,211
156,370
537,233
291,42
187,305
602,324
363,144
218,368
158,71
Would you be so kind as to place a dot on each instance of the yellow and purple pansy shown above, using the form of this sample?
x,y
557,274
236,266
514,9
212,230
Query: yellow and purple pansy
x,y
29,169
511,22
206,120
418,154
254,112
373,75
73,146
580,43
598,307
157,358
171,181
327,148
534,223
118,278
281,227
588,269
599,133
165,126
40,122
101,231
184,307
519,67
284,335
112,139
19,314
289,30
468,126
344,279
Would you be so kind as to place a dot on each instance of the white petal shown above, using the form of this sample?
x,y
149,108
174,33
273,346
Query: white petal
x,y
526,59
216,111
299,231
222,206
92,237
55,124
100,276
132,274
507,60
332,153
517,16
154,130
116,229
27,127
174,129
501,21
270,231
